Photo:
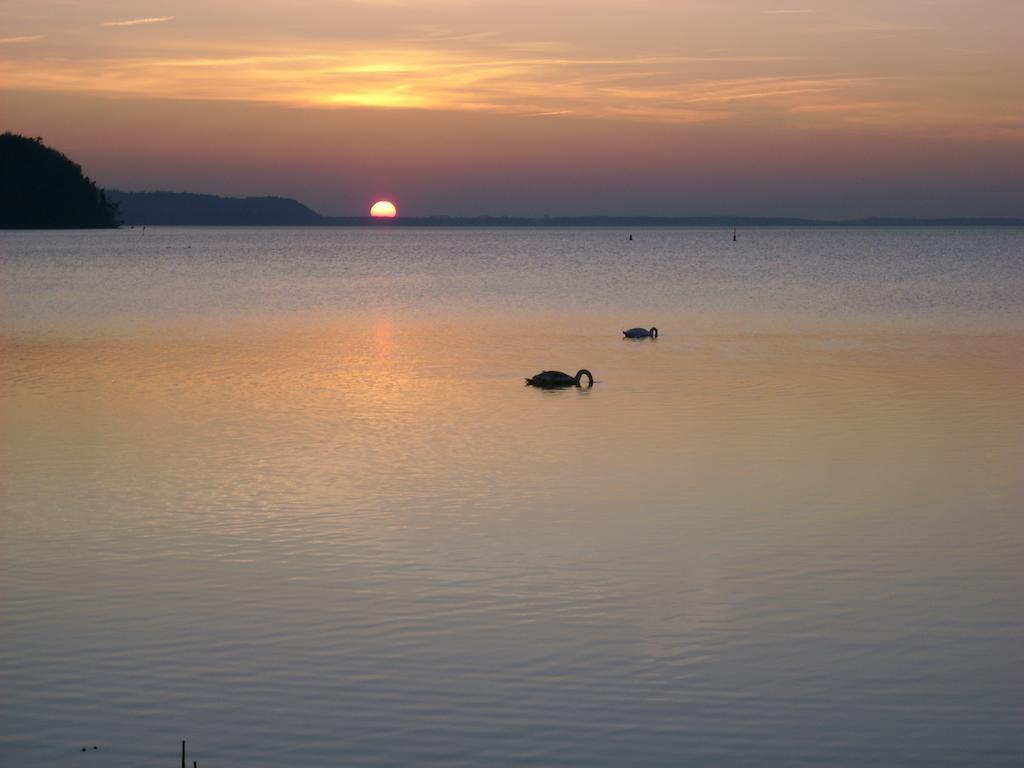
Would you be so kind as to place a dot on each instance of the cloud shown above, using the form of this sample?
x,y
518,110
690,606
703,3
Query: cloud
x,y
134,22
22,39
462,64
664,89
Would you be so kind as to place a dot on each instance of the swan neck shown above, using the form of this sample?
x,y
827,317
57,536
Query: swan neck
x,y
584,372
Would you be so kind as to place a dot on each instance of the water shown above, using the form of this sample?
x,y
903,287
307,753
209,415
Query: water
x,y
283,493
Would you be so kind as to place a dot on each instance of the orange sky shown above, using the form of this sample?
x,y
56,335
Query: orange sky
x,y
767,107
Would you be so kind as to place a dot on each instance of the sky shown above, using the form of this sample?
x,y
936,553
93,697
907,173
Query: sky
x,y
831,108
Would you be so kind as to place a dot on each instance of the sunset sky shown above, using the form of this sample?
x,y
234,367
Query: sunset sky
x,y
533,107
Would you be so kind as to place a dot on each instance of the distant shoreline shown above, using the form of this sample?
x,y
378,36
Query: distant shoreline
x,y
190,209
653,222
585,222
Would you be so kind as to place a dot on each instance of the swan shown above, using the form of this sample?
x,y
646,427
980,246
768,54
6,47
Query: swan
x,y
641,333
559,379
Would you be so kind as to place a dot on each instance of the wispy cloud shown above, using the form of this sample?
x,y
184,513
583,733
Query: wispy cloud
x,y
666,89
22,39
830,70
135,22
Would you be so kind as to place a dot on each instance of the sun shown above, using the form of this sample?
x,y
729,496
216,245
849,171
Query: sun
x,y
383,209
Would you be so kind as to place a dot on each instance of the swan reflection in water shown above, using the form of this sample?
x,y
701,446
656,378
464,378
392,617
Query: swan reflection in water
x,y
551,379
641,333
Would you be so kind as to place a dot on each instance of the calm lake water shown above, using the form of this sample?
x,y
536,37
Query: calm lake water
x,y
283,493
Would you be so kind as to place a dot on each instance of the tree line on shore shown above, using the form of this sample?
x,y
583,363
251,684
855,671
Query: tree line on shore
x,y
40,188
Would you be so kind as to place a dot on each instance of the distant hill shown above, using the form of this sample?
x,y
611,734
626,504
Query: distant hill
x,y
42,189
185,208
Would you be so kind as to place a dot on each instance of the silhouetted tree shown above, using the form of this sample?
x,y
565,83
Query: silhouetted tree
x,y
42,189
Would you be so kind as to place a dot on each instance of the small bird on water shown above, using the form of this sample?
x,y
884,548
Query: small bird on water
x,y
641,333
551,379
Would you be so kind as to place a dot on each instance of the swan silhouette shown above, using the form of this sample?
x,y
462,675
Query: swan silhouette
x,y
641,333
549,379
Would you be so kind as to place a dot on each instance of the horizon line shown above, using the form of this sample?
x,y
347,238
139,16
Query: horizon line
x,y
613,219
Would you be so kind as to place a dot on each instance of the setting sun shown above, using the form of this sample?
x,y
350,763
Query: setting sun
x,y
383,209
